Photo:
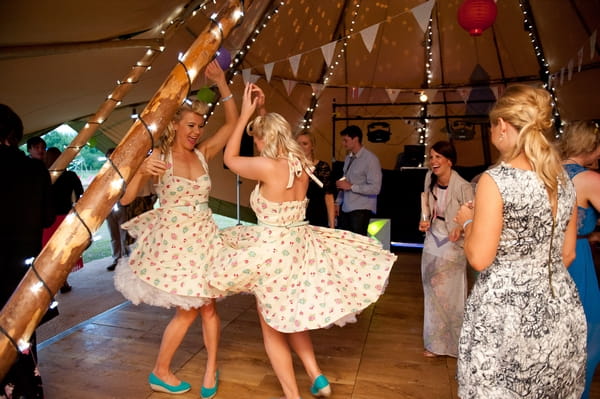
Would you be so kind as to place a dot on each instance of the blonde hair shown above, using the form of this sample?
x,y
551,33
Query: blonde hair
x,y
276,134
579,138
166,140
529,110
313,142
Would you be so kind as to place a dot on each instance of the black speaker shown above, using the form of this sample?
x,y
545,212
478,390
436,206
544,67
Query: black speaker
x,y
378,132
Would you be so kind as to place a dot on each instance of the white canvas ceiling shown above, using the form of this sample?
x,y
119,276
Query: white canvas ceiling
x,y
59,60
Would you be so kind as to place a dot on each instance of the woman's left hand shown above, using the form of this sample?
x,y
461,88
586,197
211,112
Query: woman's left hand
x,y
465,212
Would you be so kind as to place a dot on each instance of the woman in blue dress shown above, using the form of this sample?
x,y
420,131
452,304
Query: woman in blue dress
x,y
580,146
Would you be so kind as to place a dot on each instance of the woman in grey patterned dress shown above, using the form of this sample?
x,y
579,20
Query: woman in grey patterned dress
x,y
524,330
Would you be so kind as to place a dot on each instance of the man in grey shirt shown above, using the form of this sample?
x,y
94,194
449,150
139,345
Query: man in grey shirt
x,y
358,188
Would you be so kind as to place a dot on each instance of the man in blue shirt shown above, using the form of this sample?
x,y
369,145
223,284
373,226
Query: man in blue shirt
x,y
358,188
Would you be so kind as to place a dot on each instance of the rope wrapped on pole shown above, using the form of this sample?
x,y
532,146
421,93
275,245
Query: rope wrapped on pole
x,y
124,86
24,310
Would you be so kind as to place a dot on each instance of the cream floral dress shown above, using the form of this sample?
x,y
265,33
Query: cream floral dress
x,y
176,245
304,277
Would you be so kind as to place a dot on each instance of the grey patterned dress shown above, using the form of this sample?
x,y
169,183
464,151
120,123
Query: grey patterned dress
x,y
524,330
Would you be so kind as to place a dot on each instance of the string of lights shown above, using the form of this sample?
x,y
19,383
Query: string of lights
x,y
114,99
118,182
423,127
236,61
543,64
314,101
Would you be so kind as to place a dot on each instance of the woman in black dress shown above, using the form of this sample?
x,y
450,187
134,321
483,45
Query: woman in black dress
x,y
320,210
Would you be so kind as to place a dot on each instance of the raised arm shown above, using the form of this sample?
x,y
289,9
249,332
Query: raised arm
x,y
248,167
214,144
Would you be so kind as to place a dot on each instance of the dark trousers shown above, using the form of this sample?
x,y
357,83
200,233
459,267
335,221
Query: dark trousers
x,y
118,236
355,221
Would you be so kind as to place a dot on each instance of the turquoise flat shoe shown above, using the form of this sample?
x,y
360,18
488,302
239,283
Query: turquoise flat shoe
x,y
208,393
160,386
321,387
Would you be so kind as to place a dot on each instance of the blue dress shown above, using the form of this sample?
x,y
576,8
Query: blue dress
x,y
583,273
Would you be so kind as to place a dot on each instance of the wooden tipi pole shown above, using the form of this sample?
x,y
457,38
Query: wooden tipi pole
x,y
124,86
25,308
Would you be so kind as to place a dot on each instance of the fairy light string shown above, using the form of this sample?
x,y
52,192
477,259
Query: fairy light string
x,y
23,345
543,64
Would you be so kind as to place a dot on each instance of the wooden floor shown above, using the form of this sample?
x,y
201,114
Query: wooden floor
x,y
110,355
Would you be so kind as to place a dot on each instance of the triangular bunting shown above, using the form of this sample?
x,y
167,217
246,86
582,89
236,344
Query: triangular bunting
x,y
494,90
570,69
248,76
294,62
392,94
368,35
579,59
422,13
593,44
562,75
269,71
430,94
289,85
317,88
328,50
464,93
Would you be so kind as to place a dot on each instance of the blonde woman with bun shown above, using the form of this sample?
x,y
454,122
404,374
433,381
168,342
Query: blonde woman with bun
x,y
304,277
580,147
524,330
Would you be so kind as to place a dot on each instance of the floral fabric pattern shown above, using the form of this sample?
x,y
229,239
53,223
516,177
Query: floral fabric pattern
x,y
304,277
524,329
176,245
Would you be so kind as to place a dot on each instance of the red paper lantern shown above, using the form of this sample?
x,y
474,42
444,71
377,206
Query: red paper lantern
x,y
475,16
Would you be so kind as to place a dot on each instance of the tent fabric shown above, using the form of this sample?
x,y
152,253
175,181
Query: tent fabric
x,y
383,61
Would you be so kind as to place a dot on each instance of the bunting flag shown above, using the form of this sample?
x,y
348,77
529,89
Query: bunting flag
x,y
269,71
289,85
593,44
294,63
392,94
464,93
562,75
579,59
317,88
422,13
248,76
570,69
495,91
328,50
430,93
368,35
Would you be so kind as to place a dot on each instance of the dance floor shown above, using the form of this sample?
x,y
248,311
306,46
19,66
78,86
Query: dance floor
x,y
103,347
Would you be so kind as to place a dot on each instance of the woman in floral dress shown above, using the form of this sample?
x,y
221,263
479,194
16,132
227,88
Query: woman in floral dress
x,y
524,330
177,243
303,277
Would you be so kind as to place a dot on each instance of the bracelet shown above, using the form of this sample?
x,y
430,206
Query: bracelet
x,y
227,98
466,223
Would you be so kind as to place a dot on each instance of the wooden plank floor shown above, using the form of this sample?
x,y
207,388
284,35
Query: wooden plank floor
x,y
110,355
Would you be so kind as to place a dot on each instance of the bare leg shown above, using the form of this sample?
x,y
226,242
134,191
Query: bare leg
x,y
280,355
171,339
302,345
211,332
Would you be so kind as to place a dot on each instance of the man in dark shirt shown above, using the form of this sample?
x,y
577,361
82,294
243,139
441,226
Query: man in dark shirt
x,y
27,209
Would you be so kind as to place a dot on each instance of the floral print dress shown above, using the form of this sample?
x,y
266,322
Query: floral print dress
x,y
524,330
304,277
176,245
